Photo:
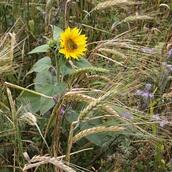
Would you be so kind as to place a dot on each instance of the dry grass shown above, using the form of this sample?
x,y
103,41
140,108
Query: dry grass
x,y
36,161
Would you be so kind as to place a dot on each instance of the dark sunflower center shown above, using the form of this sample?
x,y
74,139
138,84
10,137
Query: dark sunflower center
x,y
71,45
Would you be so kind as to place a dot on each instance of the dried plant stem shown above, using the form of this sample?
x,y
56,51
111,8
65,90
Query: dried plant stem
x,y
40,160
56,136
57,130
70,141
42,136
27,90
18,144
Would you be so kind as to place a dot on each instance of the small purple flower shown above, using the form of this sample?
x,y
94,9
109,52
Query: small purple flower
x,y
169,53
145,94
62,111
127,115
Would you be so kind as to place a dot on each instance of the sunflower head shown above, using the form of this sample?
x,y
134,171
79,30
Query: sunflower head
x,y
72,44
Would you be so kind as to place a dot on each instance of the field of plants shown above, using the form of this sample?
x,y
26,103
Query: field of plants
x,y
85,85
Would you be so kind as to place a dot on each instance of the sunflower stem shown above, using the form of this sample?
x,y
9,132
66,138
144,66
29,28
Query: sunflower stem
x,y
57,66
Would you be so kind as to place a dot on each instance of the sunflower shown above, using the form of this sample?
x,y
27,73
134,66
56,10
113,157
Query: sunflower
x,y
72,44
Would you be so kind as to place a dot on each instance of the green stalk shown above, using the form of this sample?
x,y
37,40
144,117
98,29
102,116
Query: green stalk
x,y
57,66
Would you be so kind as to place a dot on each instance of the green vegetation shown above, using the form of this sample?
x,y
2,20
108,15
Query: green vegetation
x,y
107,111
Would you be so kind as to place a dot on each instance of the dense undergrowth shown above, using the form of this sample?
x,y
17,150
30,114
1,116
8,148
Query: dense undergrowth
x,y
108,111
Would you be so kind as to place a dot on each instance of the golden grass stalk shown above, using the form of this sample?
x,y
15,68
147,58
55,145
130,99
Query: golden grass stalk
x,y
36,161
95,130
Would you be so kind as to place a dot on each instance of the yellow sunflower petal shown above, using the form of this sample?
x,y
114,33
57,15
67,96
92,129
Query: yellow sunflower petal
x,y
73,45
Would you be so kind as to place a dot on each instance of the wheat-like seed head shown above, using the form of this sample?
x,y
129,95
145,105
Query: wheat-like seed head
x,y
74,96
93,104
6,53
95,130
29,118
110,3
41,160
137,17
91,69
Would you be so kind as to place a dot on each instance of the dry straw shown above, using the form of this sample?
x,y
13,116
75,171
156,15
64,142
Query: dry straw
x,y
36,161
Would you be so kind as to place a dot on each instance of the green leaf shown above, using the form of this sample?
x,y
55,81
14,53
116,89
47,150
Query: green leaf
x,y
54,89
29,101
51,90
56,32
41,65
82,63
43,80
35,103
66,69
40,49
46,83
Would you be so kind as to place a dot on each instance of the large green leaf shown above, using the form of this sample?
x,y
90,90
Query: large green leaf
x,y
66,69
51,90
56,32
35,103
41,65
30,101
43,80
45,83
40,49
